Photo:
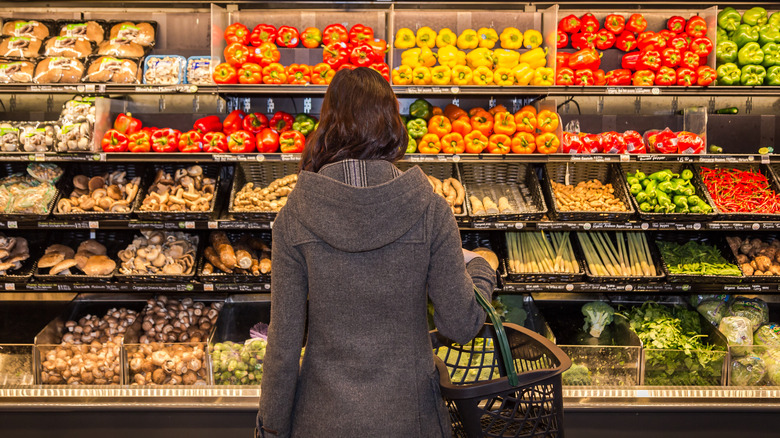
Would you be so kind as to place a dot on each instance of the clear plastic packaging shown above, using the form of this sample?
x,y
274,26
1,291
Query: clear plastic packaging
x,y
78,110
142,33
45,172
68,46
27,28
9,137
20,47
38,136
91,30
74,137
121,48
114,70
23,194
16,72
199,70
58,70
164,69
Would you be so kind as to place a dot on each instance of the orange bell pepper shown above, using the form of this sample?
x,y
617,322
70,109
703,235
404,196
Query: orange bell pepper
x,y
523,143
274,73
462,125
529,108
504,123
436,111
482,122
497,109
453,143
476,110
439,125
547,143
547,120
526,121
499,144
476,142
454,112
322,74
429,144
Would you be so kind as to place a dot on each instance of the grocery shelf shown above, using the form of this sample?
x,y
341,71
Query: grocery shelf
x,y
33,286
107,89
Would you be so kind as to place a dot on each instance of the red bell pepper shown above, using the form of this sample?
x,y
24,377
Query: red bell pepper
x,y
589,23
127,124
605,39
676,24
165,140
233,122
207,124
701,46
190,142
643,78
696,27
335,54
671,57
311,37
686,76
335,33
635,144
561,60
236,33
571,143
626,41
613,142
262,33
615,23
650,60
281,122
636,23
662,142
267,141
583,40
562,40
362,55
630,61
254,122
149,130
346,66
583,77
382,68
706,75
241,142
139,142
564,76
298,74
591,144
250,73
359,34
619,77
689,60
114,141
287,36
291,142
667,35
599,78
666,76
689,143
265,55
570,24
215,142
651,41
679,42
379,46
225,73
585,58
236,54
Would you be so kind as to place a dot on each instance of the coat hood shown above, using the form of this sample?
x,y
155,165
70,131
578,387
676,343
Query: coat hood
x,y
356,219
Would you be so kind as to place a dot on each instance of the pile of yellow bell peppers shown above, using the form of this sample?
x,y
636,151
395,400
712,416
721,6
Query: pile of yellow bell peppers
x,y
470,58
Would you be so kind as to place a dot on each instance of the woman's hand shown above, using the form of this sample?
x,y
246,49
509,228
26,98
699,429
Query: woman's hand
x,y
469,255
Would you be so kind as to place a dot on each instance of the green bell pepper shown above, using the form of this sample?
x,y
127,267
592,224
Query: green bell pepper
x,y
755,16
304,124
768,34
774,20
752,75
726,52
721,36
412,146
773,75
750,53
771,54
686,174
636,188
421,108
641,175
417,128
693,200
729,19
745,34
728,74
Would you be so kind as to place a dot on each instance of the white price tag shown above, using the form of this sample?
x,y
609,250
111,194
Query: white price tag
x,y
189,225
213,225
94,224
40,157
208,287
12,224
10,286
765,159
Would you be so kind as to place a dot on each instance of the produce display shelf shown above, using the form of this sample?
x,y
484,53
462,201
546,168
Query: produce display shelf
x,y
142,287
650,288
108,89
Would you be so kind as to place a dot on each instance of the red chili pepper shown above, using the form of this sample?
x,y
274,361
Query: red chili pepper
x,y
241,142
233,122
583,40
281,122
740,191
190,141
570,24
562,40
615,23
605,39
287,36
165,140
215,142
267,141
636,23
335,33
291,142
626,41
706,75
359,34
114,141
589,23
676,24
619,77
262,33
696,27
254,122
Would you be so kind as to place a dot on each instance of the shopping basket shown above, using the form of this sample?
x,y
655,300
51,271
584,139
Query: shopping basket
x,y
514,390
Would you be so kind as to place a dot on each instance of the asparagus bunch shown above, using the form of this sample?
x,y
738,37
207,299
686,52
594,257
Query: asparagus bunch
x,y
533,252
627,256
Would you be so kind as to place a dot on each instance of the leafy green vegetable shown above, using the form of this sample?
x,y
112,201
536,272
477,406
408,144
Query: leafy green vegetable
x,y
754,309
694,258
598,315
577,374
747,371
713,310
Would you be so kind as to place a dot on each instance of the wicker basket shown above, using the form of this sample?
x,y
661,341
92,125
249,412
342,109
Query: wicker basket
x,y
752,167
574,173
518,182
261,175
710,239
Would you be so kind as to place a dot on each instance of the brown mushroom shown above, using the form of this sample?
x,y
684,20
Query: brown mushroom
x,y
81,182
63,267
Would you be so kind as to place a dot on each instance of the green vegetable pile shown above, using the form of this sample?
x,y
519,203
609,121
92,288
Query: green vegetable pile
x,y
238,364
692,361
695,258
666,192
748,49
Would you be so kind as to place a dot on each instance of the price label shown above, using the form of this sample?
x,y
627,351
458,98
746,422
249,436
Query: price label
x,y
260,157
764,159
189,225
94,224
12,224
208,287
10,286
289,157
213,225
519,226
625,158
484,225
40,157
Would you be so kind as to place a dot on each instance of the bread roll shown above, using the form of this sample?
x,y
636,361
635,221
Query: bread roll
x,y
110,69
91,30
122,48
17,71
69,47
58,70
140,33
20,47
28,28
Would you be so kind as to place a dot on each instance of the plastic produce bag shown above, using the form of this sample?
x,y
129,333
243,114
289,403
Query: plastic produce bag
x,y
747,371
738,331
754,309
713,310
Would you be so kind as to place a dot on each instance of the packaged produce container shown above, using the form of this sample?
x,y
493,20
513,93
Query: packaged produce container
x,y
198,70
108,174
442,171
763,169
517,182
16,364
652,254
574,173
32,200
712,239
164,69
260,176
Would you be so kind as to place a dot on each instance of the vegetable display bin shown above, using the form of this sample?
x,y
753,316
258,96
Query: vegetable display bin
x,y
131,170
16,364
521,309
749,239
167,363
653,254
751,167
441,171
217,276
516,276
113,240
712,239
260,175
518,182
613,359
212,171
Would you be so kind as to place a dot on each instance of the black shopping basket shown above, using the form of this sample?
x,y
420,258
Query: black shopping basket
x,y
516,394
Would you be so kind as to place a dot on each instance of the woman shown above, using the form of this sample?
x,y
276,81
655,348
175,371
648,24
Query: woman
x,y
355,250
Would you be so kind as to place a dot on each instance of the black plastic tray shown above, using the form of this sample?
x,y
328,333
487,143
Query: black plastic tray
x,y
441,171
521,176
545,277
492,241
114,241
91,170
715,239
656,260
222,277
606,173
261,175
753,167
209,171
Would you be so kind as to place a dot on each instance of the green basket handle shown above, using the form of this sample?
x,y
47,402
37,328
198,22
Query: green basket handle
x,y
503,342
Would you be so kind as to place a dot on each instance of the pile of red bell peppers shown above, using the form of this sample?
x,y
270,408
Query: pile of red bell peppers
x,y
237,133
676,55
252,57
632,142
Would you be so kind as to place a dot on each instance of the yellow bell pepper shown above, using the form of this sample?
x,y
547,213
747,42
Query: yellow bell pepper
x,y
543,77
523,74
503,77
427,57
487,37
441,75
446,37
461,75
411,57
404,39
506,58
426,37
532,39
468,39
480,57
536,58
402,75
421,75
448,55
511,38
482,76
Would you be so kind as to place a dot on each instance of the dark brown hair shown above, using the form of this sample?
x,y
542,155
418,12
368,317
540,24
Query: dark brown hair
x,y
359,120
